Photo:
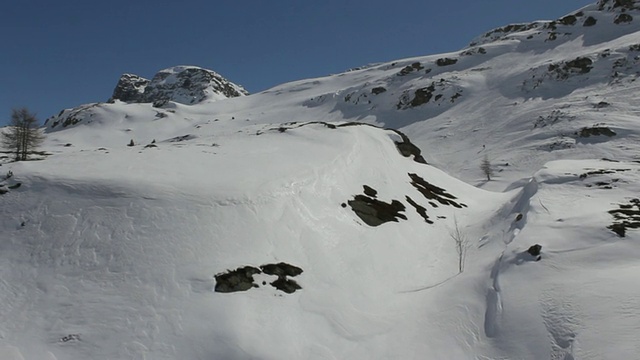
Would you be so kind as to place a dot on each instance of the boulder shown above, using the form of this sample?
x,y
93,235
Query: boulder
x,y
534,251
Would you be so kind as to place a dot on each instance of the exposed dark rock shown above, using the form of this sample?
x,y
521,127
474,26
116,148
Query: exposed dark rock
x,y
131,143
369,191
568,20
433,93
287,285
512,28
375,212
534,250
281,269
623,19
519,217
70,337
188,85
618,228
432,192
472,51
240,279
583,64
407,148
596,131
422,96
182,138
446,61
601,104
160,103
627,216
602,172
421,210
130,88
14,186
378,90
416,66
590,21
181,84
614,4
580,65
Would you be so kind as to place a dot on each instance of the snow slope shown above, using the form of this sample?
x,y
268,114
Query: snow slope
x,y
111,251
120,246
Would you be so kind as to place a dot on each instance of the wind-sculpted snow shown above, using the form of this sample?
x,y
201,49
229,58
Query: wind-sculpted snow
x,y
115,240
123,253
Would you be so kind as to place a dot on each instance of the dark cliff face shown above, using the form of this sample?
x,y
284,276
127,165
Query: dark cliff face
x,y
182,84
130,88
189,85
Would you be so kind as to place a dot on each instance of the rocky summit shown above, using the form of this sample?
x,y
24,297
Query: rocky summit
x,y
182,84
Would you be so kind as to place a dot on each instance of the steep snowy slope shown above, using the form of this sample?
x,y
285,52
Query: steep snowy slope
x,y
172,247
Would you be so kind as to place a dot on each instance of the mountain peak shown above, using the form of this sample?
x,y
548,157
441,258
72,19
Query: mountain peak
x,y
182,84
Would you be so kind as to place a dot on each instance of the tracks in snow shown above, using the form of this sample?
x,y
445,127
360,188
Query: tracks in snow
x,y
518,220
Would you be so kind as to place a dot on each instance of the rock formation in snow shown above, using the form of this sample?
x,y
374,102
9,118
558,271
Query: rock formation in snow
x,y
182,84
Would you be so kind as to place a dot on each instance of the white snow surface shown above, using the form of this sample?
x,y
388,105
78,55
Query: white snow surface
x,y
109,251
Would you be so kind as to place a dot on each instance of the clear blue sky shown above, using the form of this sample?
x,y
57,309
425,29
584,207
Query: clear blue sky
x,y
60,54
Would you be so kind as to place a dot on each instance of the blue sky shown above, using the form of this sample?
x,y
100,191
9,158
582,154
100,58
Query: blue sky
x,y
60,54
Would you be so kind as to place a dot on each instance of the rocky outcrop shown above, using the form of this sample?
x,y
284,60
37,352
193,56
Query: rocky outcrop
x,y
187,85
130,88
627,216
182,84
622,5
564,70
375,212
534,250
241,279
446,61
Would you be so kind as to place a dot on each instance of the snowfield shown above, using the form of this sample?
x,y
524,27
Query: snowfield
x,y
110,251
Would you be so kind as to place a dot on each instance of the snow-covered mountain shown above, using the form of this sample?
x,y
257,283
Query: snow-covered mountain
x,y
182,84
318,219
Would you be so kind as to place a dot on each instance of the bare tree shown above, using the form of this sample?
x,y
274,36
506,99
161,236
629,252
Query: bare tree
x,y
485,166
462,243
23,134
